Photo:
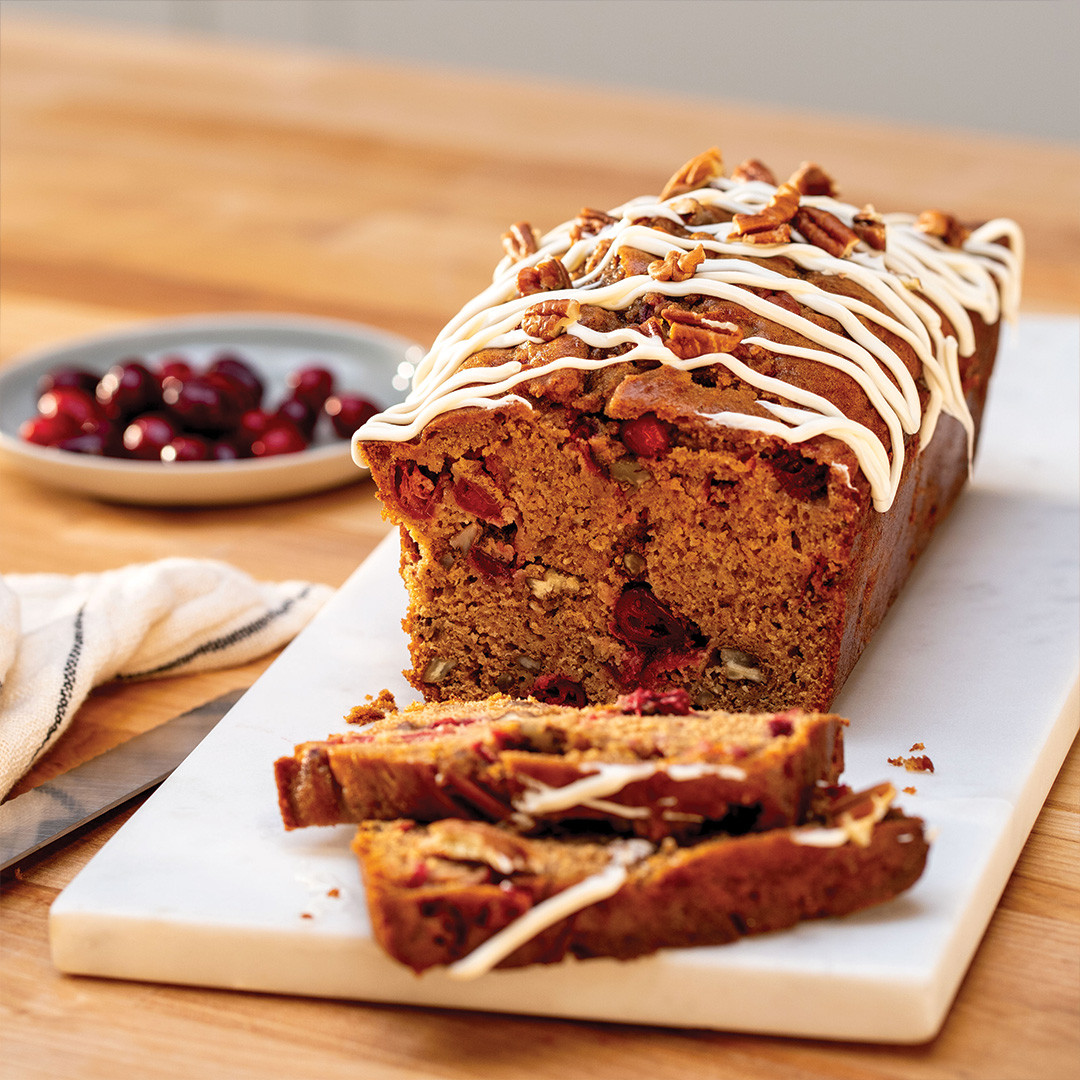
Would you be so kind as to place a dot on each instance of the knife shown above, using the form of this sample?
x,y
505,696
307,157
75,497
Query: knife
x,y
53,809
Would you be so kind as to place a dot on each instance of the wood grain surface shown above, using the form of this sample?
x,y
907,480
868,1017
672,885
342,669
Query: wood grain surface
x,y
145,177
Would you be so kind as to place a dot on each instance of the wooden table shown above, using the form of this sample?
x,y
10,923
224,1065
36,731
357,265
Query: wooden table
x,y
146,178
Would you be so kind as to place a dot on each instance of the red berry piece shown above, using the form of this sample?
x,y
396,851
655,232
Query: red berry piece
x,y
647,435
301,413
781,724
146,436
656,702
801,477
78,405
312,385
251,426
347,412
244,375
174,367
77,378
281,437
128,388
473,499
95,443
205,404
416,490
642,620
556,690
187,448
48,430
228,450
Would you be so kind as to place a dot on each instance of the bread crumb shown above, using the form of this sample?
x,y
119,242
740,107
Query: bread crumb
x,y
306,915
916,746
909,791
375,709
333,892
922,763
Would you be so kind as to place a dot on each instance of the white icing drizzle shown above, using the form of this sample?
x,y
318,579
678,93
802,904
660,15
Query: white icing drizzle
x,y
858,830
983,276
609,778
590,890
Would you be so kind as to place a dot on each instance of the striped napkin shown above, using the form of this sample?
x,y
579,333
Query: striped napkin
x,y
62,635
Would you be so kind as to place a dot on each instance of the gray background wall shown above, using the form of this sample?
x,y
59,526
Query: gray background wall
x,y
995,66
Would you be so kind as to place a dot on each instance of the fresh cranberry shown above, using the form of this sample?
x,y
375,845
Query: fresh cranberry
x,y
556,690
175,367
228,450
187,448
312,385
647,435
128,388
244,375
206,404
252,425
48,430
96,443
473,499
79,406
77,378
641,619
347,412
281,437
656,702
301,413
147,434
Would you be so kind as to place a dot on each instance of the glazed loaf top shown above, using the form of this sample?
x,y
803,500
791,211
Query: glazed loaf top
x,y
885,299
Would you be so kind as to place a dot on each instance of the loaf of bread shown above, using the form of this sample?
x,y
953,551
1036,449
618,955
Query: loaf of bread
x,y
698,440
477,896
648,765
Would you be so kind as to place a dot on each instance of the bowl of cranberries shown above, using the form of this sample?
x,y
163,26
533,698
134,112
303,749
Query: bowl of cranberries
x,y
200,411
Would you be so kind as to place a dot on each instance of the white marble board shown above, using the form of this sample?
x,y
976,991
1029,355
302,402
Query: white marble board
x,y
978,660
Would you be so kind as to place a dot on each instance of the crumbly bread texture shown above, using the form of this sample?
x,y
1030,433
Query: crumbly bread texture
x,y
648,765
475,895
697,441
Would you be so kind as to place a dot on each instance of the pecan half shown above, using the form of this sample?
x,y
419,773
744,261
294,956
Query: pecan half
x,y
869,228
546,276
780,235
696,173
520,240
752,169
825,230
589,222
812,179
779,210
944,226
695,335
549,319
677,265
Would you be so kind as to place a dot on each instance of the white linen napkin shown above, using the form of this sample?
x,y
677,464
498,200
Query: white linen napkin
x,y
62,635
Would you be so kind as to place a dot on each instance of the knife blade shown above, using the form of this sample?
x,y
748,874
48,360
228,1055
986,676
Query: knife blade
x,y
52,810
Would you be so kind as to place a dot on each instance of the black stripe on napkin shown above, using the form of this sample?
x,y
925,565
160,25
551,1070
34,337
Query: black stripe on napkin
x,y
241,633
67,683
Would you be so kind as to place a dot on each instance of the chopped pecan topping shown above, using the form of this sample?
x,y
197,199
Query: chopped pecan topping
x,y
589,222
677,265
652,327
691,211
944,226
549,319
695,335
546,276
812,179
752,169
825,231
779,210
520,240
869,228
695,173
780,235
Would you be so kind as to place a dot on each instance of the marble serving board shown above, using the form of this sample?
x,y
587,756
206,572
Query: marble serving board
x,y
977,660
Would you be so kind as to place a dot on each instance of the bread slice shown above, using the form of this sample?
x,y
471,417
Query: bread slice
x,y
648,765
476,896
